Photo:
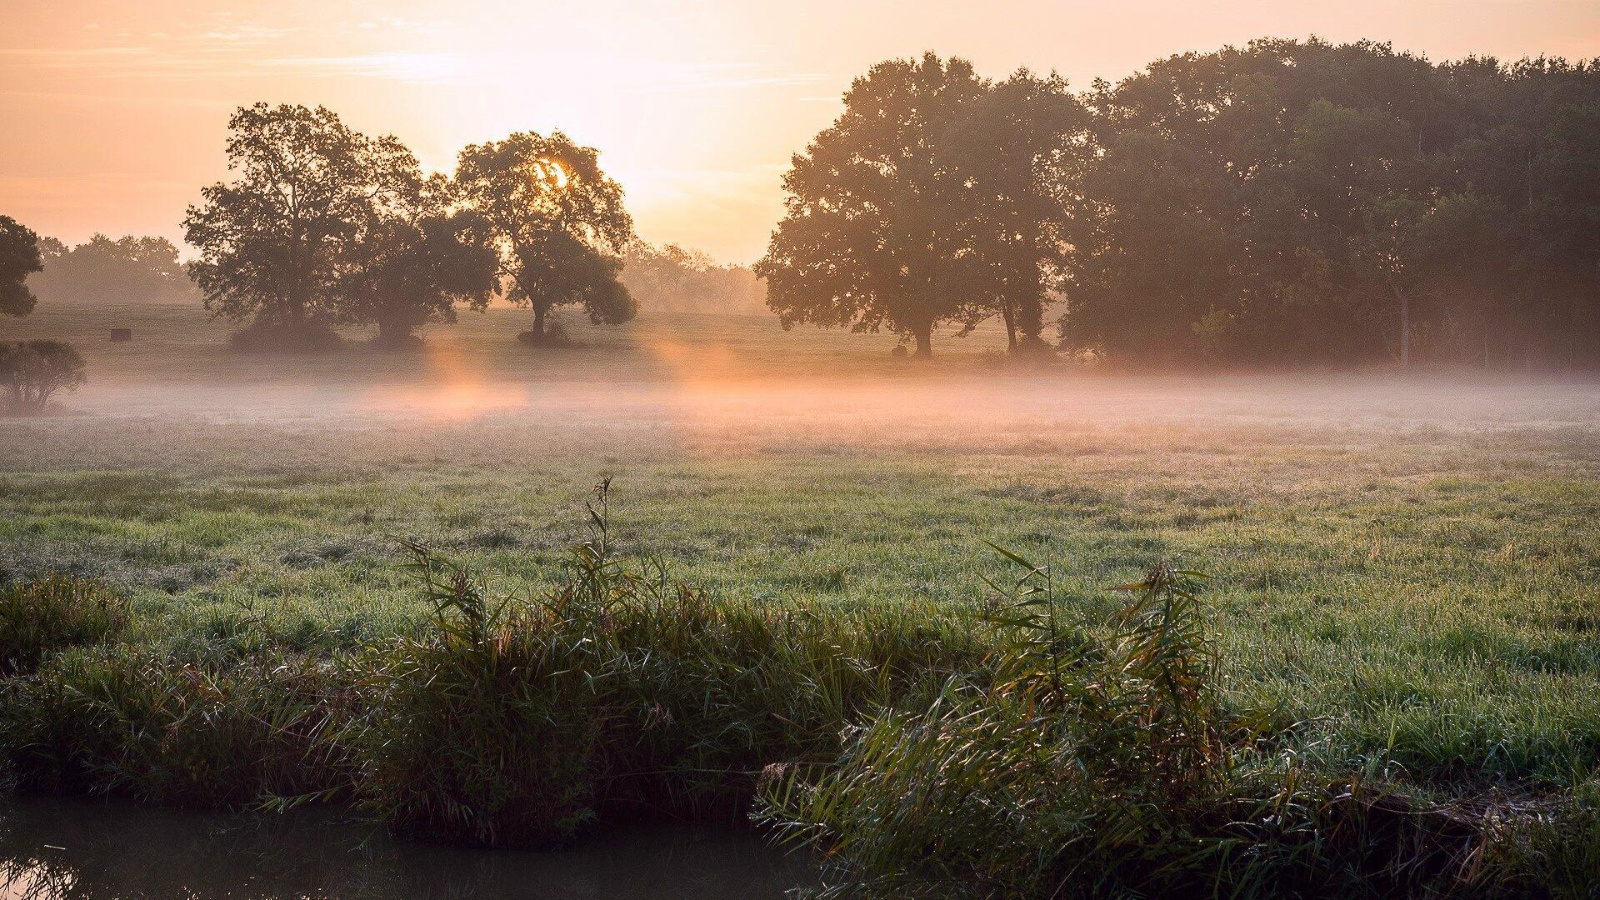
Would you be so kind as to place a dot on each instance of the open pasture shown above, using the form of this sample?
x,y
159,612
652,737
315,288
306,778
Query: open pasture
x,y
1408,567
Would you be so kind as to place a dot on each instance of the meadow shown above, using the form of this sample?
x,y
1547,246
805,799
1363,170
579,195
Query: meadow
x,y
1401,571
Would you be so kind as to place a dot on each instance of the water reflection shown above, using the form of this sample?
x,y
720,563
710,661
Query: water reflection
x,y
88,850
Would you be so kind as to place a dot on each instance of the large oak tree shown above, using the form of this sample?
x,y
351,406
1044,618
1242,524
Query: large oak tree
x,y
872,236
306,189
557,220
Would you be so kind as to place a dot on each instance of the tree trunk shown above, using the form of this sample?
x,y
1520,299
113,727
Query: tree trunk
x,y
1030,321
1405,325
924,336
1405,332
1011,327
538,320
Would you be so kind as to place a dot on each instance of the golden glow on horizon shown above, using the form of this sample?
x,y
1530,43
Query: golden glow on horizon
x,y
114,113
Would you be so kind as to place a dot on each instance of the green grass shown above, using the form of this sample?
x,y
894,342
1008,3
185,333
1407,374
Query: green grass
x,y
1403,573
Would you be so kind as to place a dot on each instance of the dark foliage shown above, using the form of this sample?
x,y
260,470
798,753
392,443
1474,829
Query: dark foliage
x,y
31,372
19,256
558,221
1299,201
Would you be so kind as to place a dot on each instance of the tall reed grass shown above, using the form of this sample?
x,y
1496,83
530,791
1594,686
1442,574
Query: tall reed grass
x,y
1095,768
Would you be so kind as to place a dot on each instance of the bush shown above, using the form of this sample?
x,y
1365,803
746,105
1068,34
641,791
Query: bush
x,y
33,371
554,336
261,336
39,618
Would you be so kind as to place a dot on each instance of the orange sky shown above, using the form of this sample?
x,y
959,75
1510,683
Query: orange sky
x,y
112,111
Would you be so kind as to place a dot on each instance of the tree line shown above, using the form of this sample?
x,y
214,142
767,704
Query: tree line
x,y
1284,202
129,269
1288,202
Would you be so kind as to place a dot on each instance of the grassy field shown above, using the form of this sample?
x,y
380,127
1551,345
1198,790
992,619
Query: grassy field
x,y
1403,571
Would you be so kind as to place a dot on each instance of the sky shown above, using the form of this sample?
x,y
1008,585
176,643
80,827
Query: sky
x,y
113,113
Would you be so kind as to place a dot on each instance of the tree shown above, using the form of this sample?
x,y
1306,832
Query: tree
x,y
19,257
33,371
557,221
1019,149
272,241
1256,204
871,236
414,265
129,269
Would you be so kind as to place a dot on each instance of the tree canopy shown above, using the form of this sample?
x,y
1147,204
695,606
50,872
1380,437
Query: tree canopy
x,y
19,257
1301,201
31,372
557,221
273,241
871,236
414,264
1287,202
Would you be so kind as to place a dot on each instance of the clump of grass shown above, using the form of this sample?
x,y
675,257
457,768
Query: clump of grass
x,y
617,693
44,616
119,721
1090,768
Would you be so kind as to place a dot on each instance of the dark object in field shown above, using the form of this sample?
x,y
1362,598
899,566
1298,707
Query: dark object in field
x,y
900,351
121,335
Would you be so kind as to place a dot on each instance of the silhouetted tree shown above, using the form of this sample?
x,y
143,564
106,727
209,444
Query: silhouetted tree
x,y
1019,151
872,233
273,240
414,265
33,371
129,269
19,257
557,221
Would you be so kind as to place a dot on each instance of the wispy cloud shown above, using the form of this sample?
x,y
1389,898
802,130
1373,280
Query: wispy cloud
x,y
246,34
153,62
427,67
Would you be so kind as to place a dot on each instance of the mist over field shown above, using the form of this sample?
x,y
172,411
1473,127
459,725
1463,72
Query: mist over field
x,y
739,453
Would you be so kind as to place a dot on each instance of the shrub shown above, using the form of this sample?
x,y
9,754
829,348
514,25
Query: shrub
x,y
38,618
554,335
33,371
265,336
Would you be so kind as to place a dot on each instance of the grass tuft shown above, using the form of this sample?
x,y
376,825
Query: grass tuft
x,y
42,617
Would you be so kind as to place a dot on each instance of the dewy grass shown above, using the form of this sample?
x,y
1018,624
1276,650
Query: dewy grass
x,y
1003,749
618,693
1090,768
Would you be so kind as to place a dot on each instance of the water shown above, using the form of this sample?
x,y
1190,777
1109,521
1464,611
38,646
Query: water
x,y
91,850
